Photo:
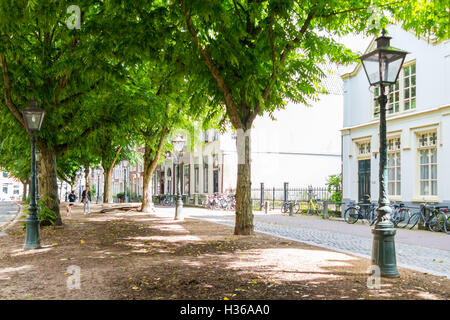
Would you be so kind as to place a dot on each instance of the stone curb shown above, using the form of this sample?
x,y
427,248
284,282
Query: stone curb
x,y
13,220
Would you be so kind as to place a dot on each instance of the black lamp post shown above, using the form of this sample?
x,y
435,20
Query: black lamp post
x,y
125,164
178,144
33,117
38,158
98,182
382,67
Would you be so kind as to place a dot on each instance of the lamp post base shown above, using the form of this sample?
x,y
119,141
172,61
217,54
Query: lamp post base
x,y
33,237
178,208
383,249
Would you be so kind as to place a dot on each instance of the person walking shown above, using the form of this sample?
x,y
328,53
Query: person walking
x,y
72,197
86,199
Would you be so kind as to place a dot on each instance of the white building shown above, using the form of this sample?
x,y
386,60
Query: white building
x,y
418,126
301,147
11,189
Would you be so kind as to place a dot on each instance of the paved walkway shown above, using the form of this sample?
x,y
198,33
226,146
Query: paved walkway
x,y
8,210
418,250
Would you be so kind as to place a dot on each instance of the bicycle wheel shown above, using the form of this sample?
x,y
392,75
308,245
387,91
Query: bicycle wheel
x,y
437,222
402,218
413,220
447,224
372,217
284,208
297,207
351,215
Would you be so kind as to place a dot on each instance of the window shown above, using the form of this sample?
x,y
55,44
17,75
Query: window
x,y
401,95
196,178
16,190
393,94
427,163
393,167
409,85
205,136
216,135
5,188
363,149
205,174
5,174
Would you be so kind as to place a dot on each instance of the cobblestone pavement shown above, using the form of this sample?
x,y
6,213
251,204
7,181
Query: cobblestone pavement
x,y
8,211
418,250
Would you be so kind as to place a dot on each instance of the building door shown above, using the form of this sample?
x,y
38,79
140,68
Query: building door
x,y
216,181
363,178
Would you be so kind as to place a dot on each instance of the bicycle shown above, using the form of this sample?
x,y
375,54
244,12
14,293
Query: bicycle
x,y
168,201
311,207
400,215
447,220
435,222
285,206
360,211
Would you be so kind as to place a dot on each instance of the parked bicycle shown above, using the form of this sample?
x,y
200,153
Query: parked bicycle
x,y
168,200
400,215
436,221
361,211
220,201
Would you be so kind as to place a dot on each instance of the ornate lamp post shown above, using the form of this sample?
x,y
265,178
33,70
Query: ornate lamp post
x,y
382,67
38,158
178,145
33,117
125,165
98,182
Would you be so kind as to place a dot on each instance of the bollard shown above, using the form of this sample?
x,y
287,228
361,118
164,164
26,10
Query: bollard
x,y
291,209
325,210
266,207
196,199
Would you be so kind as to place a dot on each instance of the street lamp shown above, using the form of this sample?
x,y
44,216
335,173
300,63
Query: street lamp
x,y
98,182
33,117
178,144
125,164
38,158
382,67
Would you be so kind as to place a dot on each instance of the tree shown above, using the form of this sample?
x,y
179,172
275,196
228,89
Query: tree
x,y
40,56
252,56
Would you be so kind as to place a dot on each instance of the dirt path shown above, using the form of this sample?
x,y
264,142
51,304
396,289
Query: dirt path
x,y
130,255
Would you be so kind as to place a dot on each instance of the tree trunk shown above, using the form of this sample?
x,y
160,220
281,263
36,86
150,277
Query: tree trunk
x,y
24,193
150,164
107,186
147,195
48,185
244,214
149,168
87,177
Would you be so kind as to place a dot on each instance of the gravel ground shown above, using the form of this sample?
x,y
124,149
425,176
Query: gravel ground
x,y
355,239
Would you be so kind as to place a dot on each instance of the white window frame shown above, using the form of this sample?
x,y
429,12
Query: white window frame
x,y
430,145
394,149
401,91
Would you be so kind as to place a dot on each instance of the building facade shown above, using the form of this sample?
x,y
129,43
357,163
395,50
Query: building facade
x,y
11,189
418,126
211,167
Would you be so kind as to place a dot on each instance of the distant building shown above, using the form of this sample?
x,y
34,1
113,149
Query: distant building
x,y
11,188
418,126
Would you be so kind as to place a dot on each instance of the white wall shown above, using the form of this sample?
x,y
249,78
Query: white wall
x,y
298,129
